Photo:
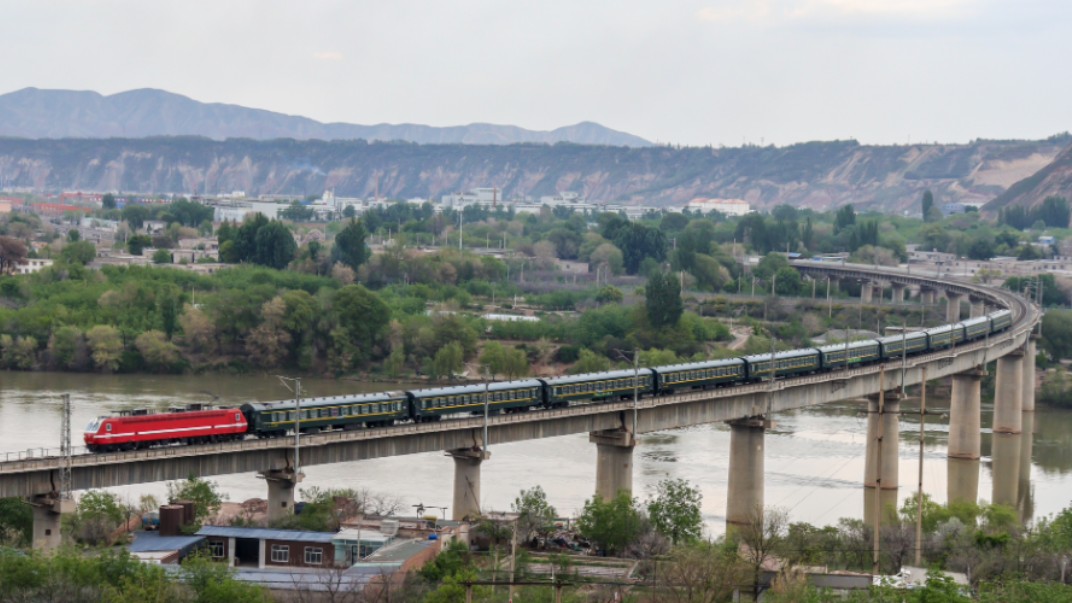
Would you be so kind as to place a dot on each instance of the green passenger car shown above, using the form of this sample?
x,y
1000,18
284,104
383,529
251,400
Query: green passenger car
x,y
502,396
622,384
268,419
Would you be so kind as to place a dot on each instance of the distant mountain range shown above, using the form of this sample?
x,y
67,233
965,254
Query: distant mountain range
x,y
820,175
35,113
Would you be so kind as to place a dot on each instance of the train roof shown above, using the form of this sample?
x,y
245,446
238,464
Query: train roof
x,y
905,336
1000,313
975,321
942,328
586,377
691,366
783,354
860,343
476,388
327,400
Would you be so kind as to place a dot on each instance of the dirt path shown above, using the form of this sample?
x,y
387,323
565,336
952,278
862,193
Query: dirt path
x,y
740,337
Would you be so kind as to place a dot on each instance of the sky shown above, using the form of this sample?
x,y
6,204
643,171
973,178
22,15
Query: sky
x,y
688,72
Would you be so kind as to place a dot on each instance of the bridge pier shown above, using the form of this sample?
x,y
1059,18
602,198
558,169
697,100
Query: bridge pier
x,y
744,496
614,462
886,447
965,437
1027,397
978,307
952,308
965,423
48,511
866,292
898,293
927,296
281,484
467,482
1008,393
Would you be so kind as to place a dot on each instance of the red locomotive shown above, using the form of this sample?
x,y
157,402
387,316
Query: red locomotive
x,y
194,424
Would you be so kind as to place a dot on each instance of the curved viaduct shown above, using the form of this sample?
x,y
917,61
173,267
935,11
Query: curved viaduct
x,y
611,426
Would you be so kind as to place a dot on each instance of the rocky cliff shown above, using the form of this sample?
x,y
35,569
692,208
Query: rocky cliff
x,y
1053,180
818,175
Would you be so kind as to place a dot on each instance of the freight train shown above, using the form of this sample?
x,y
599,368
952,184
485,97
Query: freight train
x,y
195,425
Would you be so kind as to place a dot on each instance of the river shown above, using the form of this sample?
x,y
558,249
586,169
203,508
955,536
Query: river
x,y
814,457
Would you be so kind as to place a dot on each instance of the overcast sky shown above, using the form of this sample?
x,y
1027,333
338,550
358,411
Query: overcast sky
x,y
685,72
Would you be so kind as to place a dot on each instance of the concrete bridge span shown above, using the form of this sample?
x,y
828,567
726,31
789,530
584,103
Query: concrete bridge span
x,y
612,426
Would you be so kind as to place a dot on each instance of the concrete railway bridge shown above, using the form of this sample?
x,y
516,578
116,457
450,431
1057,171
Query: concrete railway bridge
x,y
612,427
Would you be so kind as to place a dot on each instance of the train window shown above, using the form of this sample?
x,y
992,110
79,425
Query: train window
x,y
108,427
238,417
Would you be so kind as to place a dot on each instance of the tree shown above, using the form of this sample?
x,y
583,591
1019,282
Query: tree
x,y
927,207
501,360
350,247
609,294
448,361
16,523
274,246
212,582
296,212
106,347
534,514
160,355
66,348
763,538
205,494
135,215
12,253
609,257
610,524
96,518
137,243
590,362
360,326
268,344
675,510
702,572
79,252
844,218
108,201
198,331
663,300
161,256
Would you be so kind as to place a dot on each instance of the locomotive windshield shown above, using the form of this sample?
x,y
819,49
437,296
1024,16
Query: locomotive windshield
x,y
93,426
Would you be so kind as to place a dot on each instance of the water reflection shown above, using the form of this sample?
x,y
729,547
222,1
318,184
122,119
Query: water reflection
x,y
1005,467
962,481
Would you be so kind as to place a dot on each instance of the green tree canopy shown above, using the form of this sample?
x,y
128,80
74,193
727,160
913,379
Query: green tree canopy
x,y
613,524
350,247
663,303
675,510
204,493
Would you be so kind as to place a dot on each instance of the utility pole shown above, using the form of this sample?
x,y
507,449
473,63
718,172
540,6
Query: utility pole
x,y
636,390
486,405
919,489
65,449
297,419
